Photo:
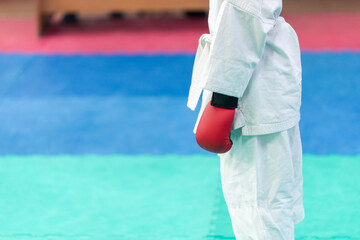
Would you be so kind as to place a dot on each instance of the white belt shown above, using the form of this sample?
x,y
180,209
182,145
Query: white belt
x,y
200,71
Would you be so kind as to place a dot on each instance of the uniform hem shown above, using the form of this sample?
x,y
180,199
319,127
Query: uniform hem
x,y
269,128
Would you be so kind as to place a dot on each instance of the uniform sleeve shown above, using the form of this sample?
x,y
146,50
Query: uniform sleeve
x,y
238,42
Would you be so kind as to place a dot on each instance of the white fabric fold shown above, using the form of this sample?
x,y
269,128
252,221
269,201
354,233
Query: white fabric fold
x,y
200,71
253,54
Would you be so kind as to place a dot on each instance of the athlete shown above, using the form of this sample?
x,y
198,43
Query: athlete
x,y
248,70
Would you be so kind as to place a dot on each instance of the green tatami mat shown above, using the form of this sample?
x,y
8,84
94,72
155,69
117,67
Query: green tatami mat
x,y
107,197
331,198
155,197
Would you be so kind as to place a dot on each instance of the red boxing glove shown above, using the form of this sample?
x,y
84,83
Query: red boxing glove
x,y
214,129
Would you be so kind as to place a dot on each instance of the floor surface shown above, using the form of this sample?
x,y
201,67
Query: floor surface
x,y
96,141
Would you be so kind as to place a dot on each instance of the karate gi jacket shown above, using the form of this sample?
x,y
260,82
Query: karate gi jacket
x,y
251,53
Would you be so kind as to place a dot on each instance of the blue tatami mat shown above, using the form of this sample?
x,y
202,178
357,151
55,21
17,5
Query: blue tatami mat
x,y
136,104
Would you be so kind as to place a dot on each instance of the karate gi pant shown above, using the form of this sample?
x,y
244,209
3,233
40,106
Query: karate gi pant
x,y
262,184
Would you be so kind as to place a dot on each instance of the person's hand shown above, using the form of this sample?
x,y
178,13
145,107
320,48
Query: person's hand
x,y
214,129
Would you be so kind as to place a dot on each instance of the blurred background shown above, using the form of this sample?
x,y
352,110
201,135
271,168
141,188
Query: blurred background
x,y
96,141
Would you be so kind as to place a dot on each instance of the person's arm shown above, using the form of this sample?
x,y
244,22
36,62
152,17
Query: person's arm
x,y
238,42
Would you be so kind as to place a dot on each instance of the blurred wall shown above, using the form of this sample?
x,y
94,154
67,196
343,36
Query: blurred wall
x,y
308,6
26,8
17,8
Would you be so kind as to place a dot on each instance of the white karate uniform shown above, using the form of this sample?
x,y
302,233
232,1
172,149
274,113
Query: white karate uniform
x,y
251,53
262,184
254,55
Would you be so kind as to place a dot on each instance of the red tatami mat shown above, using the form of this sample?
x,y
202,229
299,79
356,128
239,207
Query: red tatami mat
x,y
317,32
104,36
333,32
